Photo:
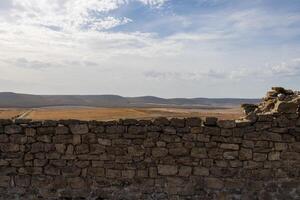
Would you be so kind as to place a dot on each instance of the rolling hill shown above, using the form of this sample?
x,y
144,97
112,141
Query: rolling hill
x,y
9,99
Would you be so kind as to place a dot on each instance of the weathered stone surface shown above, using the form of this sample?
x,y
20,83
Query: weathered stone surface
x,y
230,146
13,129
185,171
199,152
210,121
231,155
200,171
61,130
193,122
159,152
105,142
180,151
214,183
226,123
79,128
167,170
245,154
286,107
274,155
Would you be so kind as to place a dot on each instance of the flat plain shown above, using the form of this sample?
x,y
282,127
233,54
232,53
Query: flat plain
x,y
105,114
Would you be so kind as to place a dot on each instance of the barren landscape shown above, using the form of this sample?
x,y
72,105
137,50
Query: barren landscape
x,y
91,113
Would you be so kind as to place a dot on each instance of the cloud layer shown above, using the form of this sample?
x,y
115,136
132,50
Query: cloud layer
x,y
149,47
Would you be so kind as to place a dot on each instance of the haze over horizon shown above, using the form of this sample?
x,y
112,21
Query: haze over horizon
x,y
164,48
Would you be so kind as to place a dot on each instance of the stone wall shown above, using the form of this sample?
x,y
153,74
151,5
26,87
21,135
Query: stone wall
x,y
257,157
159,159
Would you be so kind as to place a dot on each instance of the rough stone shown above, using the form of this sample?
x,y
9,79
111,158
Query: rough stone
x,y
167,170
79,128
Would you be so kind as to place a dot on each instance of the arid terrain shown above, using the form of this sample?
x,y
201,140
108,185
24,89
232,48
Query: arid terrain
x,y
90,113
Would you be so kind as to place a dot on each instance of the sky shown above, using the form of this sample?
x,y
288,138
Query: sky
x,y
166,48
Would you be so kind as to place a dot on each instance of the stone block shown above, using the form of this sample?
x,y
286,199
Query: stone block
x,y
12,129
193,122
136,151
169,130
231,155
82,149
185,171
199,152
259,157
290,156
96,149
77,183
178,123
61,130
212,131
245,154
274,155
210,121
79,128
45,130
214,183
4,181
167,170
113,173
115,129
179,151
128,174
104,142
200,171
226,123
159,152
230,146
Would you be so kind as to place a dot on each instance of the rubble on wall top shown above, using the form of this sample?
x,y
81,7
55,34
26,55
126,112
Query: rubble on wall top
x,y
278,100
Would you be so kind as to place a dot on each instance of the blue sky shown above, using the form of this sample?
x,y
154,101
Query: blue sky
x,y
167,48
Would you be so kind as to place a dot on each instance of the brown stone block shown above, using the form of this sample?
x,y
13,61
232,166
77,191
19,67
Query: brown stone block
x,y
194,122
274,155
185,171
179,151
13,129
61,130
212,130
128,174
200,171
77,183
51,170
22,180
226,123
214,183
4,181
82,149
112,173
199,152
97,149
167,170
45,130
79,128
230,146
178,123
259,157
245,154
104,142
115,129
136,150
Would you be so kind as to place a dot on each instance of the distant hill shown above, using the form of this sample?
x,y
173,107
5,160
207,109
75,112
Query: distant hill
x,y
9,99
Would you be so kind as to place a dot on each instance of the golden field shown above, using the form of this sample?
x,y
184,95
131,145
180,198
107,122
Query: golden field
x,y
104,114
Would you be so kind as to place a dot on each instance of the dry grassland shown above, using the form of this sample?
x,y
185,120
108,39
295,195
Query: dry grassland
x,y
120,113
10,113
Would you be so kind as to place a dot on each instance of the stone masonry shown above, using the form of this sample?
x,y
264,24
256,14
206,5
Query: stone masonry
x,y
152,159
